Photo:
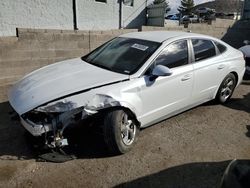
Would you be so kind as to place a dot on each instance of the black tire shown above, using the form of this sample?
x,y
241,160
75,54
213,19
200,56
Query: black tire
x,y
226,89
113,134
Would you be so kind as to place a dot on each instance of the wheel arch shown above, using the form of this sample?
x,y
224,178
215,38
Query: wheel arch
x,y
124,108
236,76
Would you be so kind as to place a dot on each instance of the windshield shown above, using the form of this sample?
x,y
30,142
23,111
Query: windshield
x,y
122,55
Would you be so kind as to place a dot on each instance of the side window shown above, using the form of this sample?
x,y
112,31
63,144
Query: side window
x,y
175,55
220,46
102,1
203,49
128,2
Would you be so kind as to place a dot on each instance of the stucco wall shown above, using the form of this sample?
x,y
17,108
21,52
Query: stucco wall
x,y
134,16
49,14
96,15
58,14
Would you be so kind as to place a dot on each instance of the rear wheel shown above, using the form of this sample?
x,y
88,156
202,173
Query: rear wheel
x,y
226,88
120,131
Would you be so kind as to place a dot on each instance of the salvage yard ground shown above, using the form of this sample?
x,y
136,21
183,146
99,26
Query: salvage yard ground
x,y
189,150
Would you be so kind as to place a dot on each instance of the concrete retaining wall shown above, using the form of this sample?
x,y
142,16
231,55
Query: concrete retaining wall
x,y
56,14
33,49
231,31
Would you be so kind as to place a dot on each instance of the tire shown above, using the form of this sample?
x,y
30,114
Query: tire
x,y
226,89
120,131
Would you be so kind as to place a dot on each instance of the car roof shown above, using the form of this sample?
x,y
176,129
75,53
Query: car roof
x,y
160,36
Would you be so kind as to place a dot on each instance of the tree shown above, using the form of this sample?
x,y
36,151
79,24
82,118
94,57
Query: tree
x,y
186,7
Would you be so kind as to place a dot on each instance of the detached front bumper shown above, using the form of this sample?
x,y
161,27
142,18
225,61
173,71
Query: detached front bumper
x,y
35,129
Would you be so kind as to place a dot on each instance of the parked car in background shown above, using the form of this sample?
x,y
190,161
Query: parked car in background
x,y
194,18
175,17
190,19
130,82
204,10
246,50
168,16
220,15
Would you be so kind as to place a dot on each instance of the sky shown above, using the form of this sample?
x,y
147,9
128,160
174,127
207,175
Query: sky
x,y
174,4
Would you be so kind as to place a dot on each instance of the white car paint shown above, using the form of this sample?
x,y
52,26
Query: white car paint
x,y
87,86
58,80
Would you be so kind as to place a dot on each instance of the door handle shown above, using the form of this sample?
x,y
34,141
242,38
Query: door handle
x,y
222,66
186,77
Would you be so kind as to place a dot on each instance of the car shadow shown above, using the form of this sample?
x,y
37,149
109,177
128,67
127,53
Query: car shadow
x,y
242,104
13,144
246,77
248,131
17,144
192,175
245,83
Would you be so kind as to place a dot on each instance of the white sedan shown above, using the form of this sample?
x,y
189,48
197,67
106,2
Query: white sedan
x,y
134,80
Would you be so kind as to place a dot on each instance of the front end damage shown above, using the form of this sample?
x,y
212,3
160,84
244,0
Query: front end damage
x,y
52,119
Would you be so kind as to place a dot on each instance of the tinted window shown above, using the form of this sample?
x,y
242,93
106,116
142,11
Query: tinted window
x,y
122,55
103,1
221,47
176,54
128,2
203,49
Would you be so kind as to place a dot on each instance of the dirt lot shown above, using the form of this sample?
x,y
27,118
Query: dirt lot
x,y
188,150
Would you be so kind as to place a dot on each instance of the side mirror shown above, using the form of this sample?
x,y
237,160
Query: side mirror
x,y
160,70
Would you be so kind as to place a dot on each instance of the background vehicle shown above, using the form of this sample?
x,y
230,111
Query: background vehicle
x,y
204,10
190,19
246,50
168,16
132,82
174,17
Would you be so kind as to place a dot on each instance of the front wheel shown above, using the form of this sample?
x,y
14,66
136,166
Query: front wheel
x,y
120,131
226,88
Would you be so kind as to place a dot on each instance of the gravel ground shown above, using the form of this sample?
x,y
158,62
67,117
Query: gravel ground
x,y
189,150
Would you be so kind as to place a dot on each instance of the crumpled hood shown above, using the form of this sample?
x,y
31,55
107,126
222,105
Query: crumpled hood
x,y
57,80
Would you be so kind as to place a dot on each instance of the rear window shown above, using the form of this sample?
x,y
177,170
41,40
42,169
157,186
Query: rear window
x,y
220,47
203,49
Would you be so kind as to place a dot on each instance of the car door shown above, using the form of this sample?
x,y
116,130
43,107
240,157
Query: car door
x,y
209,69
167,95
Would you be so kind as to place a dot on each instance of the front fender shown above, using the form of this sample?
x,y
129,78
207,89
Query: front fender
x,y
102,101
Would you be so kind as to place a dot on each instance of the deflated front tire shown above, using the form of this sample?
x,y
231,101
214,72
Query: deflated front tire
x,y
120,131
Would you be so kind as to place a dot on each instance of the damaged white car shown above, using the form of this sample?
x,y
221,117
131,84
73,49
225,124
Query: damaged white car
x,y
136,79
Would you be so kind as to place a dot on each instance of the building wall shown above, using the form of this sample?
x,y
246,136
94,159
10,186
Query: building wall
x,y
97,15
58,14
134,16
50,14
